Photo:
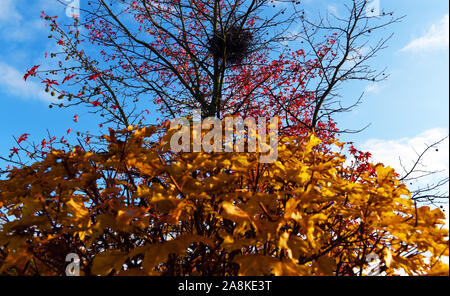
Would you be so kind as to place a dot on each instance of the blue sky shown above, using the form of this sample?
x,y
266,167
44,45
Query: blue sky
x,y
409,109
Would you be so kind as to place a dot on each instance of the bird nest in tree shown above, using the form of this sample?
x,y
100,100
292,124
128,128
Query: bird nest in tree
x,y
231,45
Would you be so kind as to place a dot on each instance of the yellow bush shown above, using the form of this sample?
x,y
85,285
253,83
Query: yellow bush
x,y
136,208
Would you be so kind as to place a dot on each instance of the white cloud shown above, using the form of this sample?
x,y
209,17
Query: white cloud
x,y
20,19
355,56
8,12
374,88
17,27
389,152
332,9
437,37
25,31
12,83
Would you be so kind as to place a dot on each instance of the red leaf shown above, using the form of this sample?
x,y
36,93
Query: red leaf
x,y
68,78
94,76
31,72
14,151
22,138
50,82
95,103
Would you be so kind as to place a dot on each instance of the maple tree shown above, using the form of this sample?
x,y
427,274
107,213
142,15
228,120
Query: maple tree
x,y
129,206
248,58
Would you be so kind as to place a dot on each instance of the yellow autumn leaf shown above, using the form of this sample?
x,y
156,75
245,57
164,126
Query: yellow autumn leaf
x,y
313,142
158,253
77,208
108,261
233,212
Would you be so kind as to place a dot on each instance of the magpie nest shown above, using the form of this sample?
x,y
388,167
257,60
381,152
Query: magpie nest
x,y
231,45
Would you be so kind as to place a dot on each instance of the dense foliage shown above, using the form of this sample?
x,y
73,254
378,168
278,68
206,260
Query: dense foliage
x,y
138,209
